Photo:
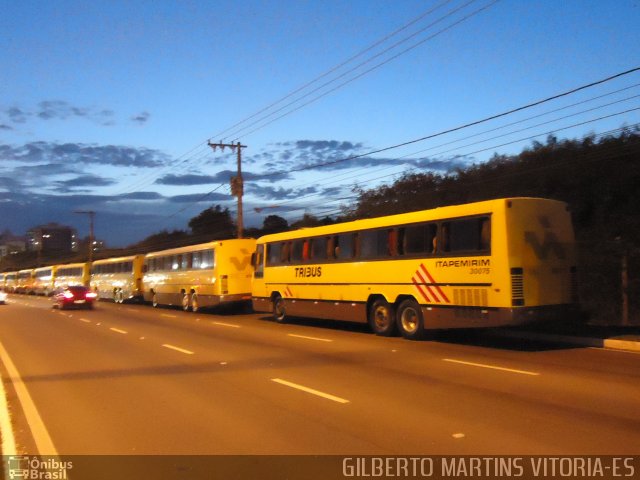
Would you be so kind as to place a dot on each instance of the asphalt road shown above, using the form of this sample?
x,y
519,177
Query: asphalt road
x,y
130,379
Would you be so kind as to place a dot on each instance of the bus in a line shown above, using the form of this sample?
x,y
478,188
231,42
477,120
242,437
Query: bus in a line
x,y
44,280
10,281
197,276
484,264
118,279
72,274
24,281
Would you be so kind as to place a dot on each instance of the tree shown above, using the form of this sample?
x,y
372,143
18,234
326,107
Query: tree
x,y
274,224
214,223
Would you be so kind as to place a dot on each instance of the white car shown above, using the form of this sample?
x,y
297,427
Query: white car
x,y
3,298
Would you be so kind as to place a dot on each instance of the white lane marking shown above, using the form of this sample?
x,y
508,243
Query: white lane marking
x,y
43,441
312,391
6,429
117,330
458,435
177,349
222,324
310,338
84,320
613,350
493,367
168,315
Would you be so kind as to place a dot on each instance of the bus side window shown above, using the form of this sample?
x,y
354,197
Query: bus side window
x,y
285,250
332,246
273,253
195,261
306,250
392,242
259,263
485,234
469,235
420,239
207,259
319,248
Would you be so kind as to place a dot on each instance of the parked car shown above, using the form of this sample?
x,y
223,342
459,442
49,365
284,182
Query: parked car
x,y
74,296
3,298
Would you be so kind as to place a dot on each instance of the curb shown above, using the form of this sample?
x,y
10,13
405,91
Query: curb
x,y
608,343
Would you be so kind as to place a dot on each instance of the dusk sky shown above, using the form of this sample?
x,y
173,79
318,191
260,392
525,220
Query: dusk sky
x,y
108,105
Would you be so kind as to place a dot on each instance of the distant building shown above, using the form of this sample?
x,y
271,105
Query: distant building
x,y
52,238
10,244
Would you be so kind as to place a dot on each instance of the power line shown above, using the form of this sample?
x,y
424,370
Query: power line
x,y
375,67
334,68
460,127
188,157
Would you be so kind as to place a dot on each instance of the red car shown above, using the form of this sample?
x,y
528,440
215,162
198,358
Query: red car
x,y
75,296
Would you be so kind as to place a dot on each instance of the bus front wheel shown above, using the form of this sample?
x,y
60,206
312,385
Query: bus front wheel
x,y
279,309
185,301
381,318
410,320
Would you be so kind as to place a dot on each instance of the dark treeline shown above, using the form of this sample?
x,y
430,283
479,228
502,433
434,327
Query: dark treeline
x,y
598,177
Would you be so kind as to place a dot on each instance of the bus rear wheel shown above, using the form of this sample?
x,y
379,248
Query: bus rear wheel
x,y
194,302
410,320
381,318
279,310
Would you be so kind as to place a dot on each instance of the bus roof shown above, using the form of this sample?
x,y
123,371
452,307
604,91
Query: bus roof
x,y
200,246
116,259
450,211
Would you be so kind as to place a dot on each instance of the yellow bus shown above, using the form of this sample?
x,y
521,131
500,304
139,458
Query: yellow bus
x,y
72,274
197,276
43,281
484,264
24,281
118,279
10,281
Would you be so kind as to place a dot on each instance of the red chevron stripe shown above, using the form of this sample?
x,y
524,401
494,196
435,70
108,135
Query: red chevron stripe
x,y
424,269
422,292
433,294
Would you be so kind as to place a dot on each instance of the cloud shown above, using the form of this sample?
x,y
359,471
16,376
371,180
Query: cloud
x,y
79,153
223,176
141,118
140,196
59,110
188,179
200,197
271,193
16,115
82,183
5,127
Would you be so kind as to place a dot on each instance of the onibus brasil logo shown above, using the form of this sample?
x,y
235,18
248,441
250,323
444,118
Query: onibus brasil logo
x,y
37,468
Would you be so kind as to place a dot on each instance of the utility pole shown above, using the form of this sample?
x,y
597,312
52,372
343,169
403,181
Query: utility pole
x,y
92,215
237,184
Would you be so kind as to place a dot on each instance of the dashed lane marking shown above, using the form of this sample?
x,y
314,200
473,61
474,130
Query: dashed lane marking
x,y
312,391
178,349
317,339
223,324
492,367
